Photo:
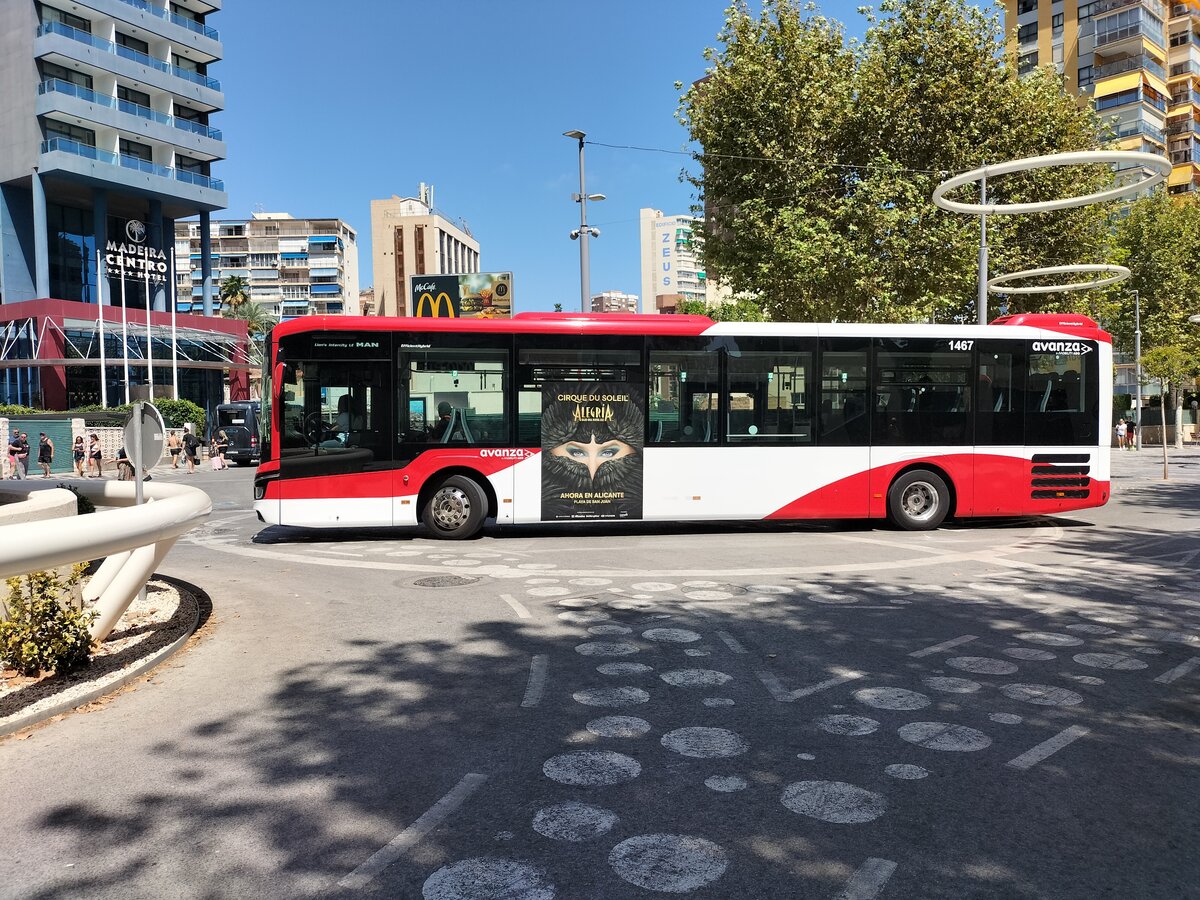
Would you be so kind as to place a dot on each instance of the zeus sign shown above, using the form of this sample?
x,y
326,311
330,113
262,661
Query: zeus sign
x,y
134,257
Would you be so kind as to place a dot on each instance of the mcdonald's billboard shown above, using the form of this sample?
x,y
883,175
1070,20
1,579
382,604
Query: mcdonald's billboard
x,y
479,295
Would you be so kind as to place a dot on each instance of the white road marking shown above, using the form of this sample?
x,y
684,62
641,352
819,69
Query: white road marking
x,y
772,684
336,552
1035,755
539,666
414,833
731,642
516,604
868,880
1179,671
846,675
944,645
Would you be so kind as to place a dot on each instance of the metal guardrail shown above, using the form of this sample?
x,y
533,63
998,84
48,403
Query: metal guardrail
x,y
134,539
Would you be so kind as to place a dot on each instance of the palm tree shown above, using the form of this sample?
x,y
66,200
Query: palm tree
x,y
258,323
235,291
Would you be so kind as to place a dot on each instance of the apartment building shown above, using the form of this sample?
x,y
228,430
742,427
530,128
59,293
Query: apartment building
x,y
409,236
671,266
1137,60
106,138
294,267
614,302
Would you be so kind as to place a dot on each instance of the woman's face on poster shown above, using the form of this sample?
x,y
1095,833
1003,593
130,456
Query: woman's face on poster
x,y
593,455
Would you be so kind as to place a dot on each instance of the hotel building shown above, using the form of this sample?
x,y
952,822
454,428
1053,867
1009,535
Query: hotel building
x,y
409,236
671,267
106,140
293,267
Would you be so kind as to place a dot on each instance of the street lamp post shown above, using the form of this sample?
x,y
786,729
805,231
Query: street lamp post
x,y
1137,369
583,232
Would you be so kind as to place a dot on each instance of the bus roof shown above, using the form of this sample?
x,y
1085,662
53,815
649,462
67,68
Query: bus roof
x,y
675,325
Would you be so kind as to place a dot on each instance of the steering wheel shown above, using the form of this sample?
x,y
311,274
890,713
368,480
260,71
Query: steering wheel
x,y
315,428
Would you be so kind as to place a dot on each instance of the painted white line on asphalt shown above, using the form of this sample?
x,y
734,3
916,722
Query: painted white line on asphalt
x,y
944,645
897,545
868,881
516,604
412,835
1035,755
843,676
731,642
539,666
336,552
1179,671
771,683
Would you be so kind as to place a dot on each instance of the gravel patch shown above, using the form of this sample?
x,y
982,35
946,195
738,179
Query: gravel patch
x,y
147,628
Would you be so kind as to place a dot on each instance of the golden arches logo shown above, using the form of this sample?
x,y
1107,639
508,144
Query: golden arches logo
x,y
435,305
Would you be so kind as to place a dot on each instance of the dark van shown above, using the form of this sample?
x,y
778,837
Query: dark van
x,y
239,421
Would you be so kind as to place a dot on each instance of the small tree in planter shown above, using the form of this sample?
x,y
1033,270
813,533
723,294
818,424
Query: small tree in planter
x,y
41,632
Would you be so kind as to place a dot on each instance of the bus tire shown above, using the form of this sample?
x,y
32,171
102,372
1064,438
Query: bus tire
x,y
456,509
918,500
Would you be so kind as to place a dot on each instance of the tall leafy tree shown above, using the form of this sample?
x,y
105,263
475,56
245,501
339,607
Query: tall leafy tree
x,y
1173,368
1158,238
820,157
258,323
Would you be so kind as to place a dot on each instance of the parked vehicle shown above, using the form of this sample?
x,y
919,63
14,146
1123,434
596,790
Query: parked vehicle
x,y
239,421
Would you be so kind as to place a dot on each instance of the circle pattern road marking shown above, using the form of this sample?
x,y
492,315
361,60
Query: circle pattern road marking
x,y
944,736
668,863
701,742
574,822
590,768
834,801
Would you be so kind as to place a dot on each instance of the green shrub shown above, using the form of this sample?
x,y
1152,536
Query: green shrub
x,y
8,409
83,505
42,633
175,413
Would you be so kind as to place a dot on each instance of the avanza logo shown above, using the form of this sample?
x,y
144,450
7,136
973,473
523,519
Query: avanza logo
x,y
1069,347
505,454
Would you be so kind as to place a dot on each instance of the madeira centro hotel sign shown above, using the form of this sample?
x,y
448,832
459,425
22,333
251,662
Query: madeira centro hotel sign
x,y
134,256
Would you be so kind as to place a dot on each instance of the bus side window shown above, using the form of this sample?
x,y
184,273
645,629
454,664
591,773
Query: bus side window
x,y
844,415
682,397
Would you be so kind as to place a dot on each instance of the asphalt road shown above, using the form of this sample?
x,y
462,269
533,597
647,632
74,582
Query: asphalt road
x,y
1003,710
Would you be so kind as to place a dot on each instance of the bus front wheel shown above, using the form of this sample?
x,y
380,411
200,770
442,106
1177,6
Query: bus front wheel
x,y
918,500
456,509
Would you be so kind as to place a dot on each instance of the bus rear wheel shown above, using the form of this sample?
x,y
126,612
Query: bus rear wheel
x,y
918,500
456,509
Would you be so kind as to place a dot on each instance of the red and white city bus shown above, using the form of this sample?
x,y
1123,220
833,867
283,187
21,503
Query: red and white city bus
x,y
591,418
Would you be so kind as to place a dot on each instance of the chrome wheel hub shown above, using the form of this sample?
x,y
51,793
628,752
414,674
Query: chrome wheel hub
x,y
451,508
919,501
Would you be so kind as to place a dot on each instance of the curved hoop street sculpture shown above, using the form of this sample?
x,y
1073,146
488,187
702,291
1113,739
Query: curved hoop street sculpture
x,y
1160,164
134,539
1119,273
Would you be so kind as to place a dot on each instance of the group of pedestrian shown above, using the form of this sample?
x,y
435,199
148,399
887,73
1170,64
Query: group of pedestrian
x,y
1126,435
91,457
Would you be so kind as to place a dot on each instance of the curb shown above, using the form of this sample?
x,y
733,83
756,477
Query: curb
x,y
21,722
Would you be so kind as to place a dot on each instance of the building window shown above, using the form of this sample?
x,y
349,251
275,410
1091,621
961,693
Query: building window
x,y
128,94
1027,62
1085,13
1025,6
56,129
190,164
184,13
50,14
1027,33
1056,25
132,43
62,73
188,65
1085,76
137,150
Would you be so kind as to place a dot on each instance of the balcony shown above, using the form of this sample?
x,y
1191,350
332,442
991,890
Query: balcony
x,y
74,148
1129,64
1130,129
66,88
135,56
1158,10
182,21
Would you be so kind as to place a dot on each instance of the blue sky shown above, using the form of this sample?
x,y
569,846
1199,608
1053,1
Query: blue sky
x,y
332,105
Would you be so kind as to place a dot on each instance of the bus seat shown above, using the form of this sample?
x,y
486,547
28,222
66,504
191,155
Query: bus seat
x,y
459,430
657,432
707,434
999,405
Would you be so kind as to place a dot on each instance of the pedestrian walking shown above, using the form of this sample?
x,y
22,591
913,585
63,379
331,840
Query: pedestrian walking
x,y
95,456
191,449
23,454
1120,434
174,445
14,447
45,453
1131,436
78,455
